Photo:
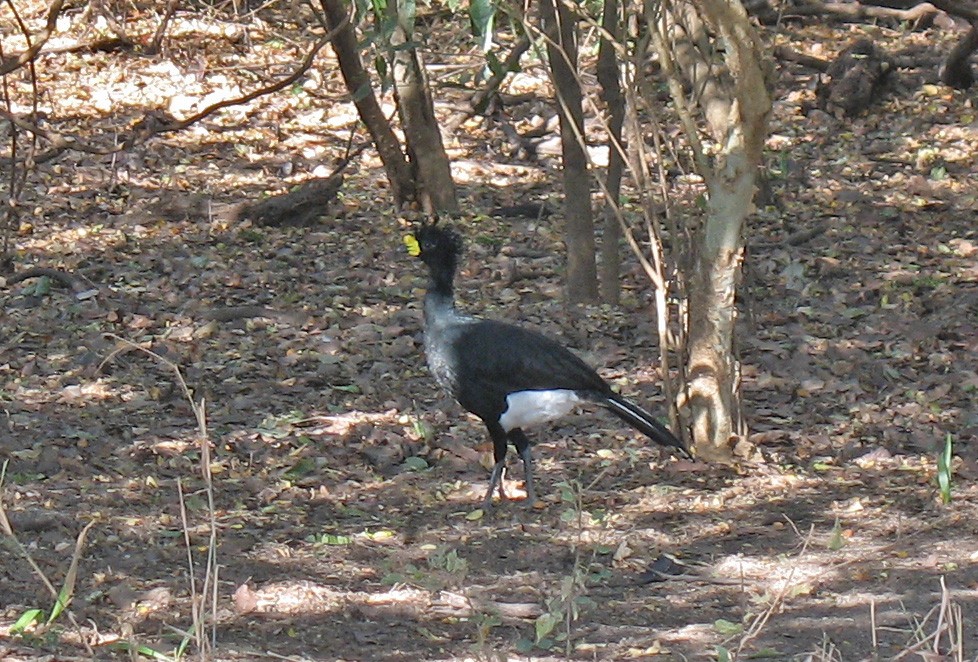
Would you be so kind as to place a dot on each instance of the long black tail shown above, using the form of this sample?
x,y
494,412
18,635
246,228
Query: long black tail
x,y
644,422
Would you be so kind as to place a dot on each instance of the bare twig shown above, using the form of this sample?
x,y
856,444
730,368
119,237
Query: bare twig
x,y
50,24
158,123
209,586
495,81
251,96
155,45
63,597
757,625
9,532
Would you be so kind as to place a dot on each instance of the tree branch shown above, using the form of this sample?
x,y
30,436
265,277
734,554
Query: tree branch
x,y
17,61
251,96
155,123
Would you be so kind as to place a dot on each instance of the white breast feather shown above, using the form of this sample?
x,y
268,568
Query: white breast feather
x,y
527,408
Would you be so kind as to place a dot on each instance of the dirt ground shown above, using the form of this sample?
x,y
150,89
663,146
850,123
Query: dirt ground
x,y
343,488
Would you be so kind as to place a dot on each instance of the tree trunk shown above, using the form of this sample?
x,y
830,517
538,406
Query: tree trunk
x,y
713,388
359,86
713,401
560,27
693,53
956,70
608,76
422,136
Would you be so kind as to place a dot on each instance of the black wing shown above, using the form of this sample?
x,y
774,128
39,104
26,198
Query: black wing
x,y
498,359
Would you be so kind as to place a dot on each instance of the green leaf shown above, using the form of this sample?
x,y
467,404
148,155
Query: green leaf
x,y
27,619
145,651
392,578
544,625
386,25
566,492
727,628
482,14
768,653
303,467
42,287
584,602
496,66
407,11
836,542
944,470
454,564
251,236
182,648
64,597
475,515
421,429
723,655
415,463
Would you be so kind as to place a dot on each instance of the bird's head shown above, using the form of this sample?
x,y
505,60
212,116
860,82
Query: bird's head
x,y
439,247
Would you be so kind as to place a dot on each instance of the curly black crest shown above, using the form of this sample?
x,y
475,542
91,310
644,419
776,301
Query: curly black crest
x,y
439,241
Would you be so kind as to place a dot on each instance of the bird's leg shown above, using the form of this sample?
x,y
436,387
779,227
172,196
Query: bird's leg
x,y
495,480
499,441
531,494
523,447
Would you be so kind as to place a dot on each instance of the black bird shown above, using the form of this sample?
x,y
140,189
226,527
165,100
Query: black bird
x,y
508,376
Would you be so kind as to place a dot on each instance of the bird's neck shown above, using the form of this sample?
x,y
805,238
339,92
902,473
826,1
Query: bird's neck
x,y
442,280
439,301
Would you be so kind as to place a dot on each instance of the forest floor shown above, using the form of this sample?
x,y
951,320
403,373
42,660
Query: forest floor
x,y
343,489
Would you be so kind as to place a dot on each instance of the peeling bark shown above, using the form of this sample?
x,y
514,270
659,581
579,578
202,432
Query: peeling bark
x,y
735,102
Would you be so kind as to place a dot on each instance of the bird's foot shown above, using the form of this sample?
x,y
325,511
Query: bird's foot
x,y
531,498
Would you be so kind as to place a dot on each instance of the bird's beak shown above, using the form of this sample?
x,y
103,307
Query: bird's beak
x,y
412,246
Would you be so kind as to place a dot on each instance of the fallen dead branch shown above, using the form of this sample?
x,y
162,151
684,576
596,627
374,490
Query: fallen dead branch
x,y
73,282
